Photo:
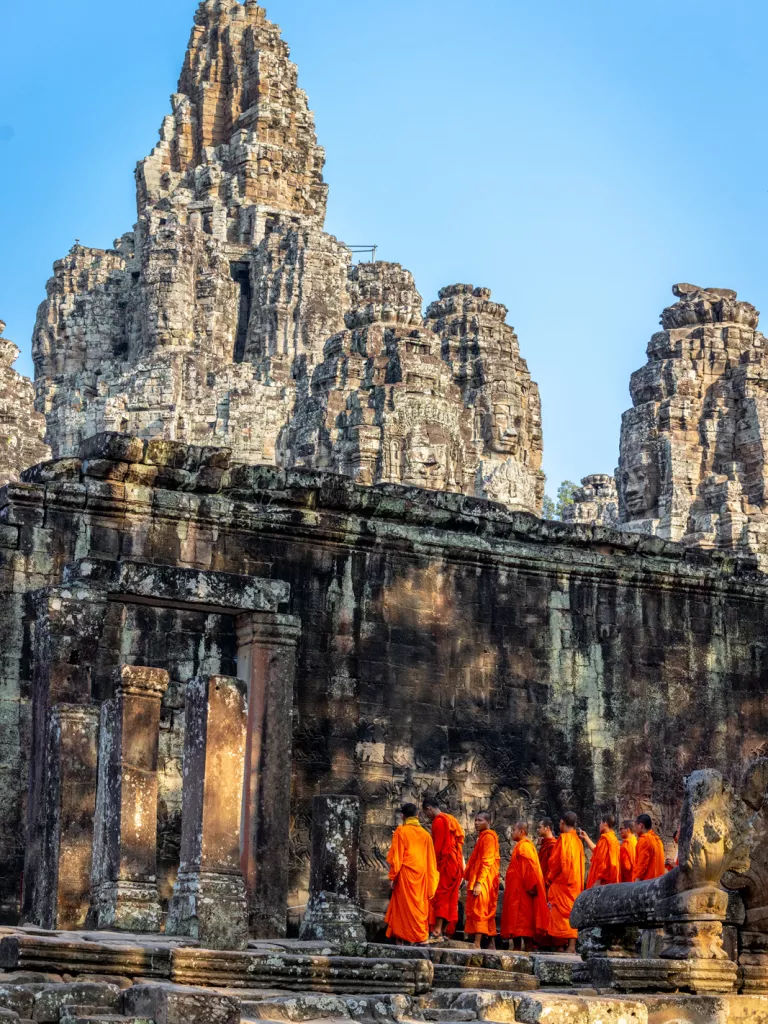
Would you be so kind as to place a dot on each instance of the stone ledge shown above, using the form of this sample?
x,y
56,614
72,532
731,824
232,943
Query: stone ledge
x,y
258,496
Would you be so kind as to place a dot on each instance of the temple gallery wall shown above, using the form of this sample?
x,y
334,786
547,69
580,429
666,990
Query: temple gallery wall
x,y
394,642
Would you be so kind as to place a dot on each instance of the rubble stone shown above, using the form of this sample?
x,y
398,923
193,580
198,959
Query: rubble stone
x,y
22,429
49,1002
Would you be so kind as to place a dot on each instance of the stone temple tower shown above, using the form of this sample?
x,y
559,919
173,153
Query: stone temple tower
x,y
229,317
692,462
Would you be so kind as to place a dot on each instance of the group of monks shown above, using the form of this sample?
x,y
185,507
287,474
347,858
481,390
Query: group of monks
x,y
427,870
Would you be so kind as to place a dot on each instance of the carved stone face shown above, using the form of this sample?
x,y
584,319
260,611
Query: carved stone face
x,y
641,490
426,461
501,432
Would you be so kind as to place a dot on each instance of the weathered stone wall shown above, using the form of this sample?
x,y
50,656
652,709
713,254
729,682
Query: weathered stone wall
x,y
448,645
220,319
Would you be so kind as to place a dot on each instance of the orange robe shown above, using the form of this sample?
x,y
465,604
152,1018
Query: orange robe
x,y
448,837
605,868
524,915
546,849
413,869
650,857
628,857
483,870
566,881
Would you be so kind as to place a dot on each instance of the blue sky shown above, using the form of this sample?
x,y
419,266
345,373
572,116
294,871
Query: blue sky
x,y
578,159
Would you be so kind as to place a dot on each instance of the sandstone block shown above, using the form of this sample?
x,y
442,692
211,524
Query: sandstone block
x,y
112,447
49,1002
172,1004
16,998
300,973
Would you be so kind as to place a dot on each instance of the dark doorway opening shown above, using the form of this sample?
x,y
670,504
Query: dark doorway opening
x,y
241,275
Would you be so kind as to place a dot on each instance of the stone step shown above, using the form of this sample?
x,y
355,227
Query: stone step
x,y
315,1006
449,976
554,970
51,954
448,1016
519,963
103,1019
334,975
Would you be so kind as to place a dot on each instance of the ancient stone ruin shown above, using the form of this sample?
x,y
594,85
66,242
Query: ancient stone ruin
x,y
284,573
228,317
692,464
595,503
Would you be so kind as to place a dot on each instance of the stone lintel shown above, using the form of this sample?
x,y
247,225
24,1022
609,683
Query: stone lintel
x,y
224,592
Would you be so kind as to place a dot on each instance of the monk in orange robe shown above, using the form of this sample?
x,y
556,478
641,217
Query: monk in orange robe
x,y
566,881
525,913
650,851
448,838
628,852
414,877
482,878
547,844
604,869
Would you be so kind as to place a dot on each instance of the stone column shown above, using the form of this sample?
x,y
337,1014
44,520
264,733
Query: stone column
x,y
267,662
334,913
209,901
69,623
62,894
124,882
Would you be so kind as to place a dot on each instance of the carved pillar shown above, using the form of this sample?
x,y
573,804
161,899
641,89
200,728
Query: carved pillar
x,y
209,901
124,882
68,627
267,662
334,911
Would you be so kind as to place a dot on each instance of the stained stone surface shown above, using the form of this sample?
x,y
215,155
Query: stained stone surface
x,y
596,502
333,912
229,317
21,428
692,465
209,901
124,878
